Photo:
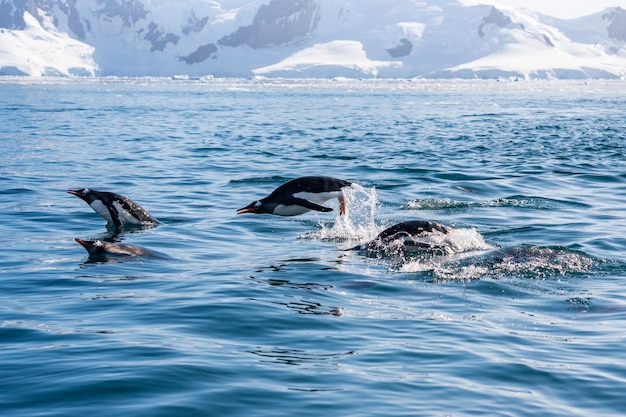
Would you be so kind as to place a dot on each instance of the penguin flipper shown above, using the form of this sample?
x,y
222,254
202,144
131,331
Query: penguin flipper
x,y
117,223
310,205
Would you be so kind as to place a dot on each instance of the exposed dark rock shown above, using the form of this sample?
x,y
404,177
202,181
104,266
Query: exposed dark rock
x,y
617,25
129,11
202,53
73,17
401,50
158,38
12,13
548,41
194,24
495,17
277,23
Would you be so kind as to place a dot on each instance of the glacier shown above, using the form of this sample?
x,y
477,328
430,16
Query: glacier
x,y
306,38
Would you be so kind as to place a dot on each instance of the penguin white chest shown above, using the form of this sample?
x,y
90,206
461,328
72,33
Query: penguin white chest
x,y
122,214
102,210
291,210
295,209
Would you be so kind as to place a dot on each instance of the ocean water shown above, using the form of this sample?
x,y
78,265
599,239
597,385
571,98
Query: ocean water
x,y
263,315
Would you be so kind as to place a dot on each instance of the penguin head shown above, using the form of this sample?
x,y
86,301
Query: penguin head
x,y
94,247
85,194
257,207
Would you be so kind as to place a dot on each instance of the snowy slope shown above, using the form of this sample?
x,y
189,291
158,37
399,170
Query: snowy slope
x,y
332,59
305,38
563,49
42,50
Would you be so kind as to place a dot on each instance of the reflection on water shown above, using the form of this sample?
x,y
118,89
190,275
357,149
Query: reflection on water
x,y
295,356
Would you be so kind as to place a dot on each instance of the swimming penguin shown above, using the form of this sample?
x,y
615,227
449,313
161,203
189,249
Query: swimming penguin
x,y
116,209
299,196
100,248
412,234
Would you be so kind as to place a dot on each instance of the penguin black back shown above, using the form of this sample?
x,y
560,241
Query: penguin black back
x,y
299,196
311,184
99,248
408,234
411,228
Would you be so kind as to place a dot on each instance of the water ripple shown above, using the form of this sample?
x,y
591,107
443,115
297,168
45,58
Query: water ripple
x,y
273,314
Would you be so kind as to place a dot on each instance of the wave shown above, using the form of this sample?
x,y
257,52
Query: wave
x,y
255,180
520,201
525,261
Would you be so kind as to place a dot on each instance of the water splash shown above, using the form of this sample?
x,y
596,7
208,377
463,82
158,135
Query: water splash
x,y
458,242
359,225
466,240
359,221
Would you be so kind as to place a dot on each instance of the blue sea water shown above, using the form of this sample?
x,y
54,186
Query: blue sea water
x,y
272,316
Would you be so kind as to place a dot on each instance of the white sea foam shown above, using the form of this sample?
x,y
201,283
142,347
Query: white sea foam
x,y
526,261
358,223
458,241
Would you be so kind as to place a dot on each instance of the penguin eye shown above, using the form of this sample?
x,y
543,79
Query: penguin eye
x,y
257,204
85,191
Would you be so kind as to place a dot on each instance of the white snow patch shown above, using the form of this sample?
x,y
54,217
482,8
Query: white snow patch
x,y
529,58
36,51
413,28
338,53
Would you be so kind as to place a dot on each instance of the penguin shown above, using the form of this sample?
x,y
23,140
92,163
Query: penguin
x,y
411,235
99,248
116,209
299,196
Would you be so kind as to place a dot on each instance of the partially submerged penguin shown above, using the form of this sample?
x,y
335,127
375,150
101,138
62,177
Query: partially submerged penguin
x,y
99,248
117,210
409,235
299,196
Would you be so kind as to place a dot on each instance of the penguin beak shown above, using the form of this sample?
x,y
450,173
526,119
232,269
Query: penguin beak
x,y
247,209
77,193
82,242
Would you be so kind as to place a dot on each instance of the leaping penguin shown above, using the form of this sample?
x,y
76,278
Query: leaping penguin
x,y
102,249
116,209
299,196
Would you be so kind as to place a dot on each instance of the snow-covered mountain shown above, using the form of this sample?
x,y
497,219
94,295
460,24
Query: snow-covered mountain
x,y
305,38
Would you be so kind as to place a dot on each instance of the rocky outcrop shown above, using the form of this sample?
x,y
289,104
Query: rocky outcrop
x,y
617,25
495,17
278,23
128,11
194,24
401,50
158,38
201,54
